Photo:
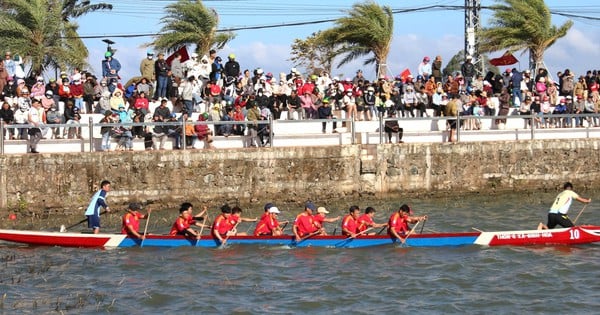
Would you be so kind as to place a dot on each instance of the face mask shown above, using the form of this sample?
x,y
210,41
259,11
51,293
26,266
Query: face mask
x,y
150,57
370,92
260,94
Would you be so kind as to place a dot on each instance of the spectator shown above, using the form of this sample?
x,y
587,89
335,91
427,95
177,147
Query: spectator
x,y
8,116
436,69
203,132
177,69
106,131
216,71
468,70
147,66
424,69
161,70
110,66
37,118
53,117
232,67
22,116
72,116
174,131
126,136
392,127
324,112
38,88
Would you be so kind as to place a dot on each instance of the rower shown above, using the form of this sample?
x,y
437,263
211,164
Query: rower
x,y
269,225
558,212
304,224
365,221
349,223
196,219
131,221
398,223
182,225
236,218
221,227
321,217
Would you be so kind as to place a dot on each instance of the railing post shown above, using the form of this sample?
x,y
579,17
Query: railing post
x,y
2,140
271,121
183,126
381,123
353,131
532,123
91,134
457,128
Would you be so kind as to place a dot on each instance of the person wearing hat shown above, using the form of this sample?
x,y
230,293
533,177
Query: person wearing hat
x,y
321,218
304,225
131,221
424,68
147,66
268,224
37,118
558,211
232,67
110,66
324,112
399,220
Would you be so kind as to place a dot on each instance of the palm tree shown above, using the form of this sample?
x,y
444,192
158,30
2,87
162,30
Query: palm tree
x,y
367,29
190,22
522,25
40,31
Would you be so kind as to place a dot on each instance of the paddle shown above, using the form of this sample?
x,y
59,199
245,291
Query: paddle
x,y
383,228
201,230
145,228
359,234
64,229
422,226
403,240
349,238
295,243
580,212
227,238
284,226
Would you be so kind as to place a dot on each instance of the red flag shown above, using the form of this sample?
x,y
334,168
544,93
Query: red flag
x,y
182,51
404,74
506,60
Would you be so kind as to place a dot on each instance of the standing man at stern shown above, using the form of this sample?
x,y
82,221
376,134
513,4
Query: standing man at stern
x,y
93,210
558,212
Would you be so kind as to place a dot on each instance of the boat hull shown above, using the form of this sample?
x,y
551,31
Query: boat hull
x,y
566,236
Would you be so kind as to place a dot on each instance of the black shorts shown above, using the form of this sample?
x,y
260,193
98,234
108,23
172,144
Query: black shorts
x,y
93,221
452,123
555,219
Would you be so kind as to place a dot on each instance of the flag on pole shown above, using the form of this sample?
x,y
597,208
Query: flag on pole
x,y
404,74
506,60
182,51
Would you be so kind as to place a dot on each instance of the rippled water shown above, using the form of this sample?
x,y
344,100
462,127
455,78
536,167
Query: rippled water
x,y
257,280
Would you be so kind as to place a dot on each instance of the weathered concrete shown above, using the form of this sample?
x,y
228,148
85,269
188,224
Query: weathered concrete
x,y
294,174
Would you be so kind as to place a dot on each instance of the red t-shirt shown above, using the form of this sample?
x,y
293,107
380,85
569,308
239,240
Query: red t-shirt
x,y
132,220
221,225
349,223
266,226
179,226
318,220
364,222
305,224
398,223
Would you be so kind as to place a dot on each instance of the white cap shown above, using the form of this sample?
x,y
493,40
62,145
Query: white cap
x,y
322,210
274,210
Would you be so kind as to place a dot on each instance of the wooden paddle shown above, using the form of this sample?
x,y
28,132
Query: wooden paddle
x,y
403,240
307,237
227,238
580,212
359,234
146,228
201,229
64,229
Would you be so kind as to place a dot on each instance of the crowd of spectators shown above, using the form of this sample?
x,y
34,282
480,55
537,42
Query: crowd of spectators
x,y
220,91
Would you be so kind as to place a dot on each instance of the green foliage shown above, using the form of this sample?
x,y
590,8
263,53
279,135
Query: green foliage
x,y
457,60
313,54
190,22
41,32
520,24
368,29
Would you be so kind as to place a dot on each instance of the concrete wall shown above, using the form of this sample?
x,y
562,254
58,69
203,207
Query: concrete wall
x,y
68,180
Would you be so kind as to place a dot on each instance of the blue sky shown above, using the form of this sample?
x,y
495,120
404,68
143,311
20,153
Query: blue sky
x,y
416,34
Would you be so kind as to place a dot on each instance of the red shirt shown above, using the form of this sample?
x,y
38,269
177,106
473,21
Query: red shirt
x,y
349,223
364,222
398,223
141,103
266,225
179,226
221,225
305,224
215,90
131,220
318,220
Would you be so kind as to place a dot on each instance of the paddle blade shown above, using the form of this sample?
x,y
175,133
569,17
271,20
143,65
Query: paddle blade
x,y
63,229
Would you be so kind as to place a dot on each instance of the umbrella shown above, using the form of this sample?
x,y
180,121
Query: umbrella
x,y
506,60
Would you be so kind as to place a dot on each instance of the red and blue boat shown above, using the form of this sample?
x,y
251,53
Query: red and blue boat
x,y
584,234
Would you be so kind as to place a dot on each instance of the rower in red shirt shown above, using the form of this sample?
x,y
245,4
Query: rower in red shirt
x,y
304,224
398,223
182,226
131,221
365,221
195,219
269,225
349,223
236,218
221,226
321,217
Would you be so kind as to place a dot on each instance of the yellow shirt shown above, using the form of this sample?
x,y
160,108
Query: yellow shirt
x,y
563,202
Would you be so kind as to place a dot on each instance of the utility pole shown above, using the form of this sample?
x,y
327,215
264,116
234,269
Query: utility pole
x,y
472,26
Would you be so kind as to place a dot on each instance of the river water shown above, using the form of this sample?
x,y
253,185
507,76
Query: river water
x,y
273,280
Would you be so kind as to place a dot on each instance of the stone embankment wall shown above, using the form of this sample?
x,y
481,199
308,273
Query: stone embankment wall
x,y
295,174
